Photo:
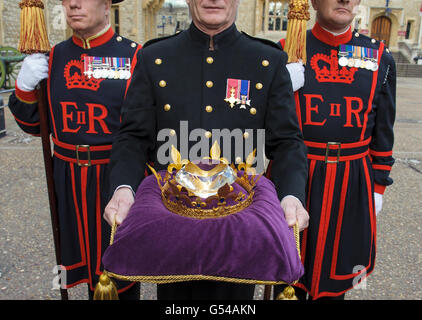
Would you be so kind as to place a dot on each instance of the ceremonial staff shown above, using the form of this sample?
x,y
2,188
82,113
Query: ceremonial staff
x,y
34,39
295,47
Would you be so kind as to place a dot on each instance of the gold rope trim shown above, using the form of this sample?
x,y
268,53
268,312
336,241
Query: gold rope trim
x,y
180,278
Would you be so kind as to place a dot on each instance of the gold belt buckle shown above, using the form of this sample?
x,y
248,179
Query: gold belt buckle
x,y
77,155
327,151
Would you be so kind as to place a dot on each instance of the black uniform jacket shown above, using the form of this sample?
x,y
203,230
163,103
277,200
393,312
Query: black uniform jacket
x,y
179,85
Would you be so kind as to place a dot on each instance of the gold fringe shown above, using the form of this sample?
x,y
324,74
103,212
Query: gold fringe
x,y
295,45
33,33
106,288
287,294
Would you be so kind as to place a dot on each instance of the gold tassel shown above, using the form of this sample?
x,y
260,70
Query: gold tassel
x,y
105,288
295,45
33,34
287,294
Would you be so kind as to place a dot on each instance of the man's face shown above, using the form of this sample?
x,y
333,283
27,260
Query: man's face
x,y
335,14
87,16
213,15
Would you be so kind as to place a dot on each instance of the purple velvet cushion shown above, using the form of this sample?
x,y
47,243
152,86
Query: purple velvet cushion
x,y
253,244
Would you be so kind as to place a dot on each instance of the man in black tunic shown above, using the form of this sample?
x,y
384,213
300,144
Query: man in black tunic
x,y
211,77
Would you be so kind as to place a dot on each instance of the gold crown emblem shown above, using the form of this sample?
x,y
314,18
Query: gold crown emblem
x,y
210,188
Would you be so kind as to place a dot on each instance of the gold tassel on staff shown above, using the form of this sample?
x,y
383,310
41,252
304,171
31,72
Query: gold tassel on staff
x,y
295,45
33,34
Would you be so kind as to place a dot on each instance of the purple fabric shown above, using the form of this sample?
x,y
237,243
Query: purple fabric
x,y
255,243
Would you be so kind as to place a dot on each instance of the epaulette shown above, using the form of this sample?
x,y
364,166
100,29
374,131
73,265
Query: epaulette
x,y
126,41
149,42
266,41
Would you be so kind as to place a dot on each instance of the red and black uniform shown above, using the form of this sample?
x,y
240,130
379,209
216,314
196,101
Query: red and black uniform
x,y
84,114
346,116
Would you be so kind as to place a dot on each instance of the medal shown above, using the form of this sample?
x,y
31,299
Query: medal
x,y
356,55
362,61
375,60
110,68
342,61
96,66
232,92
368,65
116,68
122,69
127,69
104,69
244,94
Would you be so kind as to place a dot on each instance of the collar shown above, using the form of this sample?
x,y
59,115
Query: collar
x,y
330,39
220,40
96,40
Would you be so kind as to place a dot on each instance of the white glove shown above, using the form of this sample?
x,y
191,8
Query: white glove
x,y
297,74
378,202
34,69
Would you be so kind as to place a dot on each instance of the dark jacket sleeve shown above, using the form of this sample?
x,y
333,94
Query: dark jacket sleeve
x,y
136,137
283,139
24,108
381,147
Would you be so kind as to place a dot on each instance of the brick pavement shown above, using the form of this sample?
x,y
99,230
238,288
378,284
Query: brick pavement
x,y
26,246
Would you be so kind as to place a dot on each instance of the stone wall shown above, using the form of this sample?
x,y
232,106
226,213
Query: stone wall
x,y
138,20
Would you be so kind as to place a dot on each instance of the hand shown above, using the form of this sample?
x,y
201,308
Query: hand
x,y
297,74
295,212
378,202
34,69
119,205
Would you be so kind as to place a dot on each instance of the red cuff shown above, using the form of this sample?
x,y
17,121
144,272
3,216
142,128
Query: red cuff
x,y
28,97
378,188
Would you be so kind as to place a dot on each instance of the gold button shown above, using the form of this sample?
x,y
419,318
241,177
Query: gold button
x,y
167,107
209,84
210,60
208,109
172,132
162,83
208,134
356,34
259,86
252,111
246,135
119,38
133,44
265,63
158,61
238,159
373,40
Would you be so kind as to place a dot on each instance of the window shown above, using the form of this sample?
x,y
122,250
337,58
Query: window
x,y
408,29
277,15
115,18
